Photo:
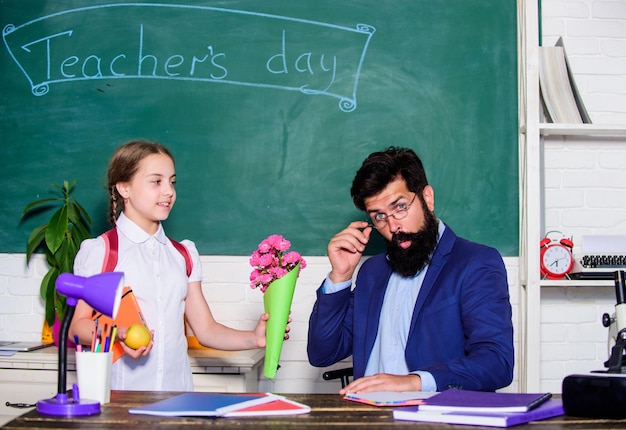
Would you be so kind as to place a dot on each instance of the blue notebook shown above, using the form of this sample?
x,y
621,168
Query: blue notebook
x,y
202,404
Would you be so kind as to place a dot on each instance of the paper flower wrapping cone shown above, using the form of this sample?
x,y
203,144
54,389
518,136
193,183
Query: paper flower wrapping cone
x,y
277,302
275,271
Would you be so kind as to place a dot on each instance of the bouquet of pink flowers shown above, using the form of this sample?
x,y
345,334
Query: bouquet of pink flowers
x,y
271,261
275,273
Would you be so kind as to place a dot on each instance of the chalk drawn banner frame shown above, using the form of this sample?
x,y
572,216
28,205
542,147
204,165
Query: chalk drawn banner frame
x,y
41,54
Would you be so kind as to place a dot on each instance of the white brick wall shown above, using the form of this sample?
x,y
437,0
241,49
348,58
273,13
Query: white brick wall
x,y
21,309
584,194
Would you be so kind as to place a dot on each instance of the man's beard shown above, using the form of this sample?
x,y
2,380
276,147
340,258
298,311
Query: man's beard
x,y
407,262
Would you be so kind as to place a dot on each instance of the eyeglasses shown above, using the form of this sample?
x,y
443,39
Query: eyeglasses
x,y
380,219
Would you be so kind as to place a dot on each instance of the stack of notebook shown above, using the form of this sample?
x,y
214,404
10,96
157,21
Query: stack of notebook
x,y
482,408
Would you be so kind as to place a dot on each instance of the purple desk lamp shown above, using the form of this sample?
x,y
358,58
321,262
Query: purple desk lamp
x,y
103,293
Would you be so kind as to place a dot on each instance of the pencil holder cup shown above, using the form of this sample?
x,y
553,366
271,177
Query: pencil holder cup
x,y
93,372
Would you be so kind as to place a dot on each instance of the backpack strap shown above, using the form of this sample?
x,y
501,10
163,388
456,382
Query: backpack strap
x,y
183,250
111,246
110,250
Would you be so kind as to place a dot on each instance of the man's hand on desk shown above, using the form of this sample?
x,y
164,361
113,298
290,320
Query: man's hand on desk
x,y
384,382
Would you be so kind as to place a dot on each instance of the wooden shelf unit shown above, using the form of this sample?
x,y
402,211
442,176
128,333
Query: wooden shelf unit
x,y
531,134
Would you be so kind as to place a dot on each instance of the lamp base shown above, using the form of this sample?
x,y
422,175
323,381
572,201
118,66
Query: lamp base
x,y
61,405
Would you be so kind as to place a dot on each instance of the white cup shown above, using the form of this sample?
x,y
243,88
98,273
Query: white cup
x,y
93,371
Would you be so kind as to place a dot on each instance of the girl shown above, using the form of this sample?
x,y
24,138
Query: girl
x,y
141,179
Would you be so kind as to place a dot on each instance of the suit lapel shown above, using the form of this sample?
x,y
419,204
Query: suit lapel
x,y
376,297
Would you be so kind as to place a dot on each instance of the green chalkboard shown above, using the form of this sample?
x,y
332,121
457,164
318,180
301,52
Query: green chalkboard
x,y
269,107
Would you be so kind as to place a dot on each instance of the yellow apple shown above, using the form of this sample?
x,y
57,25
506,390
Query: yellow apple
x,y
137,336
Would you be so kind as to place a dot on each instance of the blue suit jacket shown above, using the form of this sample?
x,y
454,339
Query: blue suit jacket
x,y
461,330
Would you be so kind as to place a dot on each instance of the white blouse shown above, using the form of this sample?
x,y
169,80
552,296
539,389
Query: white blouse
x,y
157,274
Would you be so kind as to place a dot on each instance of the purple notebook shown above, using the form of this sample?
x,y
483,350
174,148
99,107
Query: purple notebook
x,y
549,409
481,401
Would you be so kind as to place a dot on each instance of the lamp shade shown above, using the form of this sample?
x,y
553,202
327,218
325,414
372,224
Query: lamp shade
x,y
103,292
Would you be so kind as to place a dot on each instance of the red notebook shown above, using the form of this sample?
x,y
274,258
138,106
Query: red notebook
x,y
279,406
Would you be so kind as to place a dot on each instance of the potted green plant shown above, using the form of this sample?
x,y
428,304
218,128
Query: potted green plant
x,y
60,239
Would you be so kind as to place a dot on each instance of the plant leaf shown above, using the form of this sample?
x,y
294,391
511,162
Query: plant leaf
x,y
80,233
35,240
47,291
64,257
38,203
83,213
60,188
77,215
69,187
60,305
73,215
57,229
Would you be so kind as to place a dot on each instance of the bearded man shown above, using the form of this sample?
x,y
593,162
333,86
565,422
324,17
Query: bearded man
x,y
431,313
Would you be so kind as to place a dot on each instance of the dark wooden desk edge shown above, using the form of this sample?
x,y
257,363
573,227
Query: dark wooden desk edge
x,y
328,410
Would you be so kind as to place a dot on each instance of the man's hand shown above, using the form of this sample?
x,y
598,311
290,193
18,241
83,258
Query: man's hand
x,y
384,382
346,248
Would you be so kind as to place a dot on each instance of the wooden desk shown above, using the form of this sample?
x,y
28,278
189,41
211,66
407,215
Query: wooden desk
x,y
328,411
27,377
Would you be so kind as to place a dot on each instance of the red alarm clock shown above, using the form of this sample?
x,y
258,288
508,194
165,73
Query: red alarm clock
x,y
555,258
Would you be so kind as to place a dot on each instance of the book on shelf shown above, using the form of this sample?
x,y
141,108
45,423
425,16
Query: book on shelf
x,y
559,93
483,401
550,408
577,97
